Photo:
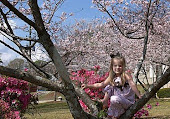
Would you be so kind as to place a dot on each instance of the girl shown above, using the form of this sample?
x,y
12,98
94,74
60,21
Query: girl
x,y
119,87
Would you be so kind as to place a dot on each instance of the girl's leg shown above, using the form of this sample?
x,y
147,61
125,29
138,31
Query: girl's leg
x,y
118,105
105,100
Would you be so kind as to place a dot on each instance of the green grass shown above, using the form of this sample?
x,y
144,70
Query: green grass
x,y
59,110
49,110
162,111
49,96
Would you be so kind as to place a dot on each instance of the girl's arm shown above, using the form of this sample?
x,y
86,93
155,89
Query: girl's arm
x,y
132,84
97,85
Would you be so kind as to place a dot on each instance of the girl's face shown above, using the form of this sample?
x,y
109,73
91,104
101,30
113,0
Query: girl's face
x,y
117,67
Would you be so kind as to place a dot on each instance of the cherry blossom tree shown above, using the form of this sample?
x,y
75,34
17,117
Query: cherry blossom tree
x,y
139,20
39,27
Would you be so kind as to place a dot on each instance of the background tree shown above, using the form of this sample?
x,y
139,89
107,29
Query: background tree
x,y
17,64
0,59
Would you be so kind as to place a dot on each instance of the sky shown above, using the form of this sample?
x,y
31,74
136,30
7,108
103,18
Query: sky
x,y
82,9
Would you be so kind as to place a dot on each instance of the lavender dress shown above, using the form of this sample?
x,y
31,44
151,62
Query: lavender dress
x,y
120,99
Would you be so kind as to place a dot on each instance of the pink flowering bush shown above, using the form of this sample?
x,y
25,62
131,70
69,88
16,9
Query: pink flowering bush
x,y
14,97
89,77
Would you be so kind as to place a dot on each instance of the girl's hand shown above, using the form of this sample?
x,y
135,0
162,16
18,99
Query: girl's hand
x,y
139,96
83,86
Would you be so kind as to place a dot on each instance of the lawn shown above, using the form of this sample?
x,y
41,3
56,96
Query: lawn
x,y
59,110
49,110
162,111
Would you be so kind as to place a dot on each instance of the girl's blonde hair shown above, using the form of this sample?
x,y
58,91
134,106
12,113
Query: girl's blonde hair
x,y
112,74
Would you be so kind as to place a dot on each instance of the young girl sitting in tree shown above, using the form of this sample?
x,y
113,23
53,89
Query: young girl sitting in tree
x,y
119,87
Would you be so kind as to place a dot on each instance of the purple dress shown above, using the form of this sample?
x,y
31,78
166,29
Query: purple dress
x,y
120,99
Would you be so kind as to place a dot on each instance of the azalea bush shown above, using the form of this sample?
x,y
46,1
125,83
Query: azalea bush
x,y
89,77
14,97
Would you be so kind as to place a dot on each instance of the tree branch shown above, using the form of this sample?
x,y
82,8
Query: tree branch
x,y
160,63
87,100
28,59
19,14
16,37
56,86
37,16
60,2
120,30
139,65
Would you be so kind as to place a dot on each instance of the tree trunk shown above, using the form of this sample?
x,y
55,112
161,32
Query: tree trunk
x,y
55,96
158,71
74,106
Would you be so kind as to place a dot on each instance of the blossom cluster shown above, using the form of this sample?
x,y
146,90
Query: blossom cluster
x,y
14,96
6,112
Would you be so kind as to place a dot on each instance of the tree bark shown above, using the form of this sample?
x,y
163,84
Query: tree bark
x,y
87,100
75,107
57,86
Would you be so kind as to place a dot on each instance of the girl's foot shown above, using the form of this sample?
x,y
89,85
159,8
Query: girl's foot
x,y
114,118
111,117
